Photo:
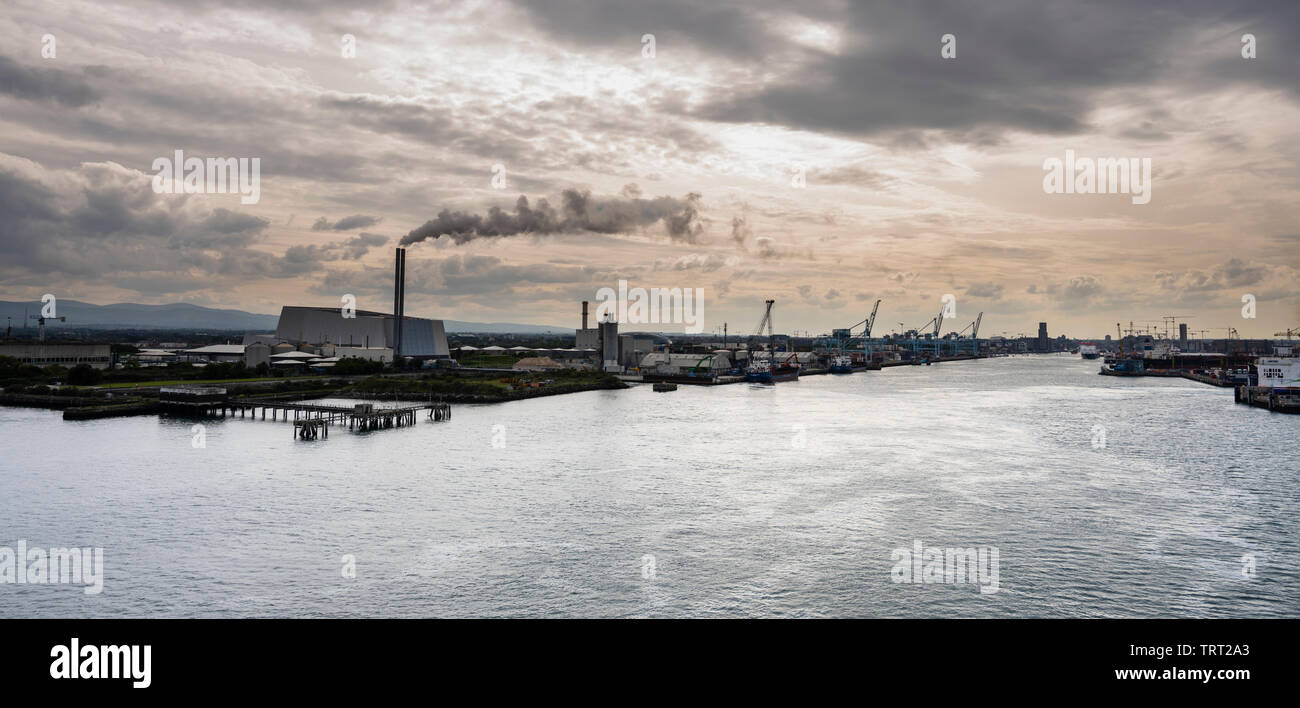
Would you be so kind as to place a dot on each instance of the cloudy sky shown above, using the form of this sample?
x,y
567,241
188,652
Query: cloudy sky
x,y
823,154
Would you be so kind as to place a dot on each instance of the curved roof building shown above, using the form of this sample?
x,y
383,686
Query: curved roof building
x,y
326,325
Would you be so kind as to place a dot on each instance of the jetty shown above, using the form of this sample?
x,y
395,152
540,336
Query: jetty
x,y
310,420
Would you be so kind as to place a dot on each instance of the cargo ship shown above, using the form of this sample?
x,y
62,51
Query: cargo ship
x,y
842,364
1088,350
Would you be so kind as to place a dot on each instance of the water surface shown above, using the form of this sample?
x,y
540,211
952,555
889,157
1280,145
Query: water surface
x,y
753,500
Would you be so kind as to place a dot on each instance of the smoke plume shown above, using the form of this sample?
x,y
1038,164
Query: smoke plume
x,y
578,212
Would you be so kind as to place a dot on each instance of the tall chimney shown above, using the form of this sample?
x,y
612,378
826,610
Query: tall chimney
x,y
401,314
584,314
399,277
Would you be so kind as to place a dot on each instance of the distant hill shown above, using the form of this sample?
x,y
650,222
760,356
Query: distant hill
x,y
134,316
502,328
183,316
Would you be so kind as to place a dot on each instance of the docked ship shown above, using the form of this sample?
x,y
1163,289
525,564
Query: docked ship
x,y
759,372
763,372
768,370
842,364
1088,350
787,370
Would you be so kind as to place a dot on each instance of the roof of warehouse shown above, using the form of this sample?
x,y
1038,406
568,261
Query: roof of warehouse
x,y
218,349
295,355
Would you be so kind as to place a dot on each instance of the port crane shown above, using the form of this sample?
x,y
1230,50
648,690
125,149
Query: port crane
x,y
40,323
974,328
869,323
1172,321
1288,333
937,321
766,323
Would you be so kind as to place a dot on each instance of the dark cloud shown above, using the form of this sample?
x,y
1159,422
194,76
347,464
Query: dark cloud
x,y
1024,65
730,28
45,83
105,221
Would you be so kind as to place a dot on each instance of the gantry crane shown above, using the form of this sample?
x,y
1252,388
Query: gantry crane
x,y
766,322
40,323
974,328
868,323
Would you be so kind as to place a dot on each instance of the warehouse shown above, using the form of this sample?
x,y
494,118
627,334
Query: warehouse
x,y
421,338
99,356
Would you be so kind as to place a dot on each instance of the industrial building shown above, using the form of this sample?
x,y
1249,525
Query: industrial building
x,y
603,339
214,353
99,356
587,337
363,333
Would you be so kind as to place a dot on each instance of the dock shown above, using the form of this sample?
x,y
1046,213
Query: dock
x,y
1277,400
310,420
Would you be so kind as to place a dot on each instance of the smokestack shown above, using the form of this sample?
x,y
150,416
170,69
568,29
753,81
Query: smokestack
x,y
584,314
399,297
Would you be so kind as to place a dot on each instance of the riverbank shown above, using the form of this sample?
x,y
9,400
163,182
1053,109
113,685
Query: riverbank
x,y
455,386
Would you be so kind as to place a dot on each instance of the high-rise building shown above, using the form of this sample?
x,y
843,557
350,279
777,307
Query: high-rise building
x,y
1182,336
1042,336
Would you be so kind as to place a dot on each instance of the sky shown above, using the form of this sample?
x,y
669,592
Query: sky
x,y
821,154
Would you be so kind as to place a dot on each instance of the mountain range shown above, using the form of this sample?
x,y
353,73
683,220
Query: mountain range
x,y
85,315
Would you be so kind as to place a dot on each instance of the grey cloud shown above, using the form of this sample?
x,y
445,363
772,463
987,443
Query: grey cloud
x,y
347,223
1025,65
992,291
46,83
105,220
1232,273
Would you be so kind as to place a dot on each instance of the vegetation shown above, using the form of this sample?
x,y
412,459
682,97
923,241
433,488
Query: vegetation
x,y
355,366
488,361
486,387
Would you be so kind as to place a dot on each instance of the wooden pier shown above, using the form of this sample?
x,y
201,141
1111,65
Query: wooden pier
x,y
312,421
